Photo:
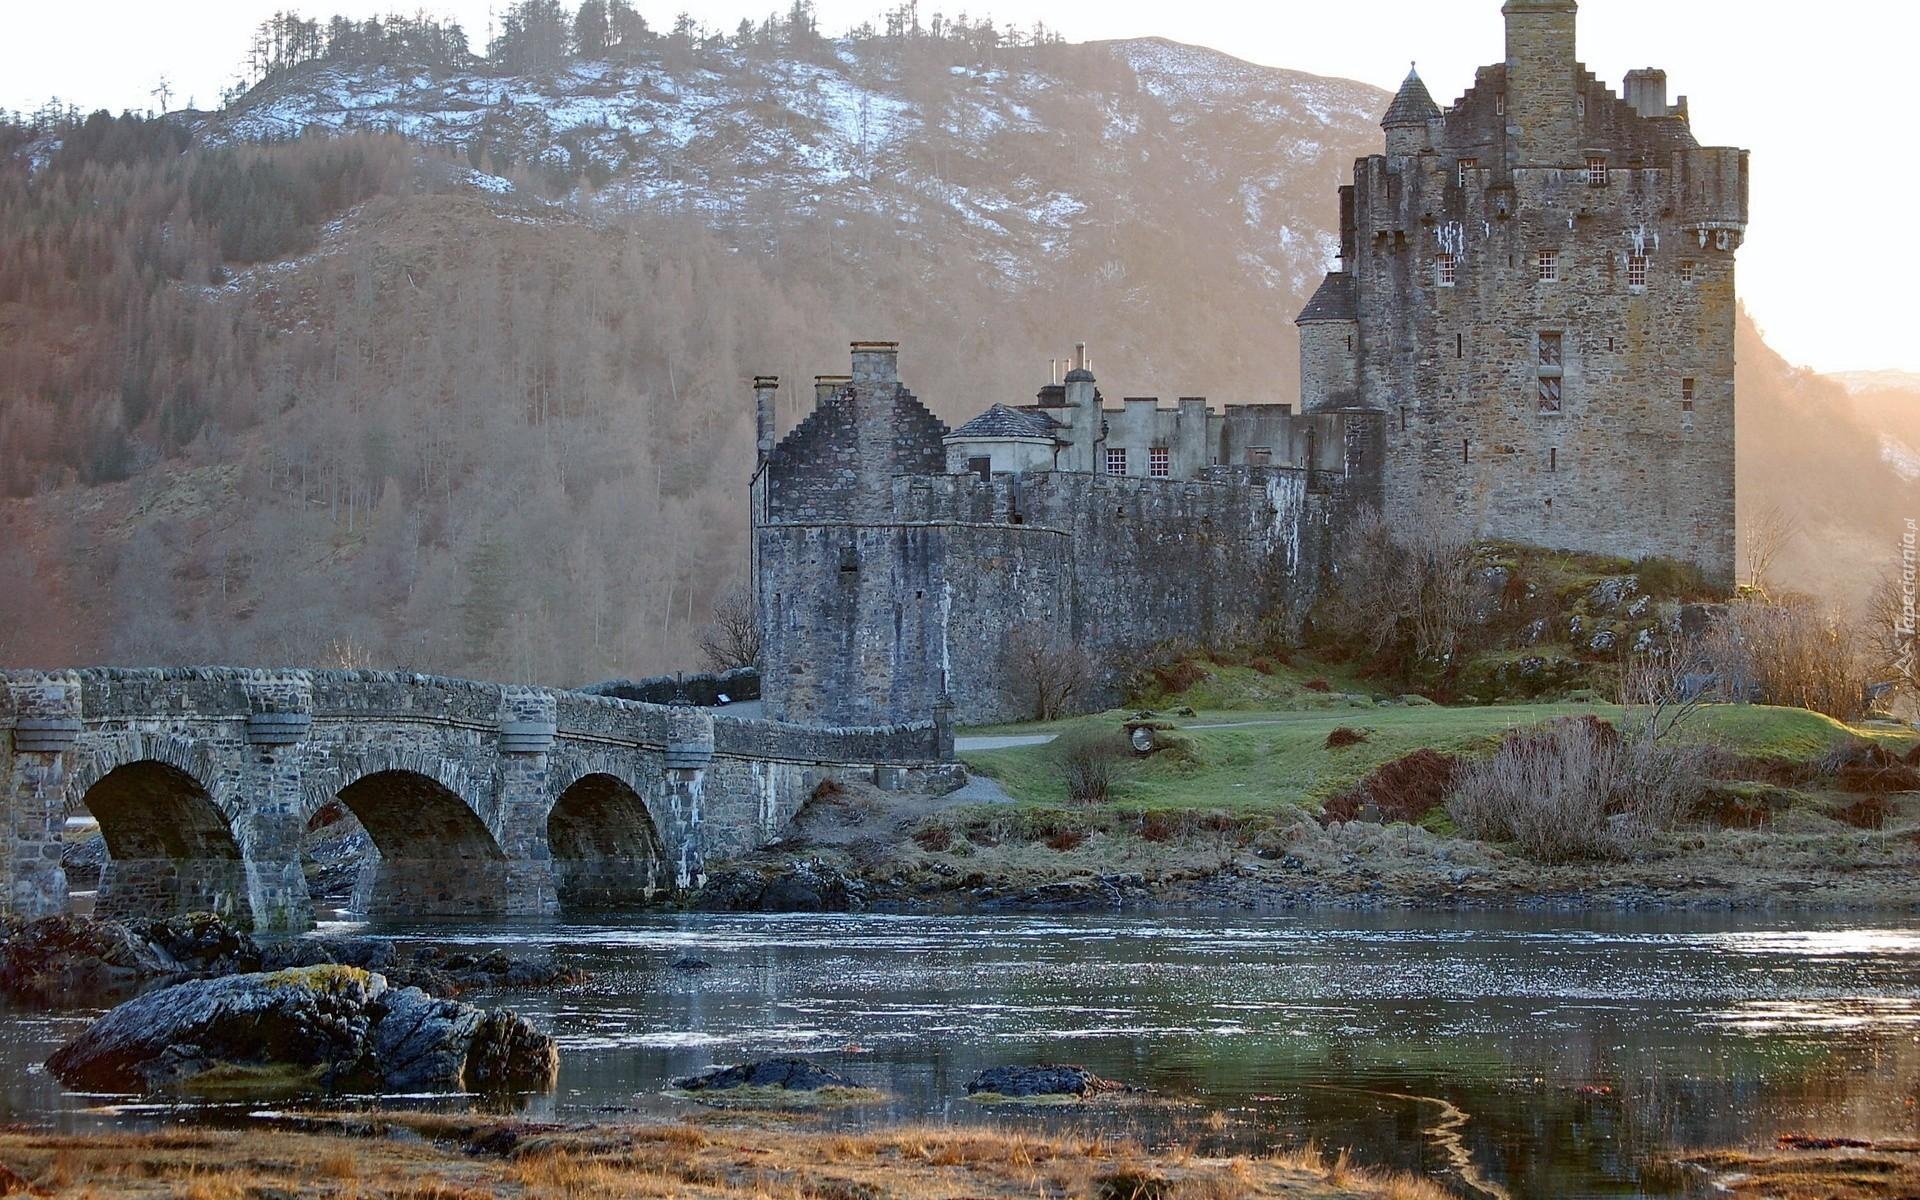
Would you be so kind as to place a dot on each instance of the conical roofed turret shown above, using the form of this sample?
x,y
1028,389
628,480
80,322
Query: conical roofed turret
x,y
1412,105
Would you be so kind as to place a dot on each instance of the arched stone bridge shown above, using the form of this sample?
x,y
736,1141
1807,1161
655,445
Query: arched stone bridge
x,y
480,799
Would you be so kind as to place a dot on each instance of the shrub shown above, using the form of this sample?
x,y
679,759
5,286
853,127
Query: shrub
x,y
1317,685
1166,670
1344,737
1406,789
1263,664
1868,812
934,837
1064,840
1089,763
1044,671
1574,788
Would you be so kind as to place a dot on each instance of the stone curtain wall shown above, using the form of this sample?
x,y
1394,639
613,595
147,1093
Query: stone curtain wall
x,y
864,621
204,782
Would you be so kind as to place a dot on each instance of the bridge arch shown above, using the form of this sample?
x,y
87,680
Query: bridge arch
x,y
434,854
605,846
172,847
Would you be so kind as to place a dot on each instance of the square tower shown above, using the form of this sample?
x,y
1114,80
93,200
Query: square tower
x,y
1540,297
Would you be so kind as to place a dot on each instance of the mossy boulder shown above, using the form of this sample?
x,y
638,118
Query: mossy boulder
x,y
314,1029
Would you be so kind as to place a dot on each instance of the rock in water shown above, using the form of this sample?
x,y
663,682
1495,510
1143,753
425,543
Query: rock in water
x,y
1053,1080
78,960
324,1028
791,1074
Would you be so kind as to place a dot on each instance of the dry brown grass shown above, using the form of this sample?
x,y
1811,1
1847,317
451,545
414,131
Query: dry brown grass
x,y
464,1158
1871,1172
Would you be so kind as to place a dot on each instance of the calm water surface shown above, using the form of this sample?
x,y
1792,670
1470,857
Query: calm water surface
x,y
1530,1056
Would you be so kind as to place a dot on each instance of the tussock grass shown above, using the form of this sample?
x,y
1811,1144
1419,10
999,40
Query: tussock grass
x,y
463,1158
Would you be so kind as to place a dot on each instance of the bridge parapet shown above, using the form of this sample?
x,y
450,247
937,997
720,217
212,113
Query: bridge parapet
x,y
479,797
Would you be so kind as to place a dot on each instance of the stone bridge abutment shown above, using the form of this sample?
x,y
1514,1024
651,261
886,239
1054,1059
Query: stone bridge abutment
x,y
479,799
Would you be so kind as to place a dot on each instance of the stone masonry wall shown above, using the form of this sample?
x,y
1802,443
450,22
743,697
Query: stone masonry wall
x,y
457,783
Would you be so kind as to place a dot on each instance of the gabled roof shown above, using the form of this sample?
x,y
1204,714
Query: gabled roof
x,y
1333,302
1412,106
1001,421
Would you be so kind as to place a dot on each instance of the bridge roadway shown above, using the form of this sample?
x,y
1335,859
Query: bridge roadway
x,y
480,799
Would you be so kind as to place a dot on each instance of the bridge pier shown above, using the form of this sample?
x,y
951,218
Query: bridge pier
x,y
34,781
271,829
528,726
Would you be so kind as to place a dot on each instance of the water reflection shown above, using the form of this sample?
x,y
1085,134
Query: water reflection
x,y
1548,1055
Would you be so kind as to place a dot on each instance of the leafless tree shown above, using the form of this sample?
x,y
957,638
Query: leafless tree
x,y
1401,590
1664,685
732,638
1043,671
1890,638
1794,652
1768,532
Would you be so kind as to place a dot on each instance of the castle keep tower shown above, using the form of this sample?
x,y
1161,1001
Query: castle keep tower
x,y
1536,295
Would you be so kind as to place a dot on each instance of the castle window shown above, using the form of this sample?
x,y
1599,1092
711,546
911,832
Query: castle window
x,y
1117,461
1349,343
981,465
1459,345
1466,165
1597,170
1636,270
1445,270
1159,462
1500,104
1466,454
1403,418
1260,456
1686,271
1552,363
1553,460
1686,395
1549,266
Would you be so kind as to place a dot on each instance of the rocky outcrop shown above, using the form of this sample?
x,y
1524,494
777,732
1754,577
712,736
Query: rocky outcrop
x,y
321,1029
83,962
811,886
1035,1082
76,960
788,1074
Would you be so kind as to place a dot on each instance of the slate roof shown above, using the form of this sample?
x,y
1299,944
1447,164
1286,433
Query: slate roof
x,y
1003,422
1333,302
1412,106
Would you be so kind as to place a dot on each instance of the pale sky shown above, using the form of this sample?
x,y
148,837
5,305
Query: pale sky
x,y
1814,90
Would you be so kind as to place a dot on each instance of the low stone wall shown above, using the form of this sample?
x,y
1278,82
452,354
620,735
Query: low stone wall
x,y
703,690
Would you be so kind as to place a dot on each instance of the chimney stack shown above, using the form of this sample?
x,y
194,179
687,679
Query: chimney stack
x,y
876,363
826,387
1646,91
764,387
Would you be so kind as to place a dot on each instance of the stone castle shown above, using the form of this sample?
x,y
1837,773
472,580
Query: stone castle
x,y
1529,337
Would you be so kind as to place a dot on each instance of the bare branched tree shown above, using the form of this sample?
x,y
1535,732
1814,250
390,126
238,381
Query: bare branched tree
x,y
1043,671
1793,652
1890,639
1666,684
1767,533
732,638
1402,591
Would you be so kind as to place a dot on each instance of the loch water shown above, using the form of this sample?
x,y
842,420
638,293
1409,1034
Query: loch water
x,y
1527,1055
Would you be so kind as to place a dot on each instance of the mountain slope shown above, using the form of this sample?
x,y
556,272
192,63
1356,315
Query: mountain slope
x,y
482,407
